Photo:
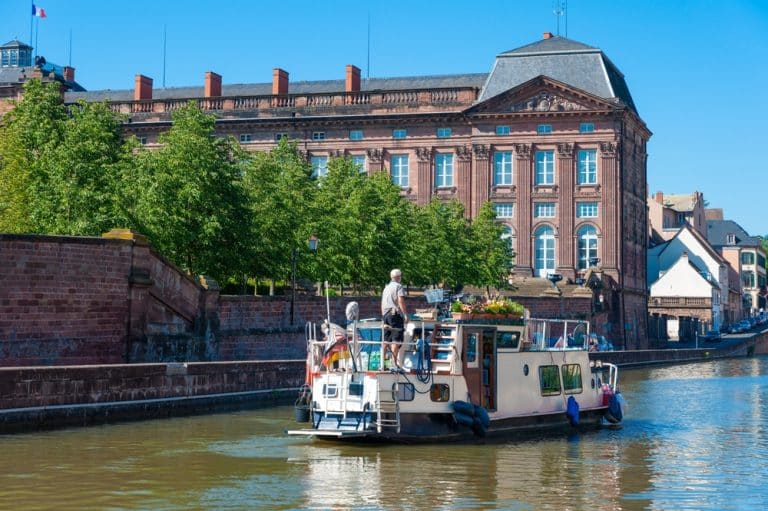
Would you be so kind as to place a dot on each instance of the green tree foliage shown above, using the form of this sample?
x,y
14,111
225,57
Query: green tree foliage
x,y
440,248
361,222
281,196
189,197
492,253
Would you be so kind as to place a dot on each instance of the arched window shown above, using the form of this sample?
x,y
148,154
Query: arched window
x,y
545,251
587,245
509,236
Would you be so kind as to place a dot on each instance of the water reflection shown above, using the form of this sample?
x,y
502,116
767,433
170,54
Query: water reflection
x,y
693,439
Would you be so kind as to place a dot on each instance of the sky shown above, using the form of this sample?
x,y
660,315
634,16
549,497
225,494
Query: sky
x,y
697,70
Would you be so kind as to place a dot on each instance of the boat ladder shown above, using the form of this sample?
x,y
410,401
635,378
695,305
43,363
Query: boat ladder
x,y
337,406
388,406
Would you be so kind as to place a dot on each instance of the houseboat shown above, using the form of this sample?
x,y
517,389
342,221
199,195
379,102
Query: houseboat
x,y
457,378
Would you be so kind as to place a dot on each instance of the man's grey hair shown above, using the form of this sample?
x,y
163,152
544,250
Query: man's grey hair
x,y
395,273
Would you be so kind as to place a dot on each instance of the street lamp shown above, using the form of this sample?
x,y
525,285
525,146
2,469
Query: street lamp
x,y
312,245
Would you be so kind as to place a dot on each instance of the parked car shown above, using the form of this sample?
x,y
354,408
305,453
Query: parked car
x,y
712,336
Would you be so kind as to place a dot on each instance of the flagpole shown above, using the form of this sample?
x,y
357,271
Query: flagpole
x,y
31,19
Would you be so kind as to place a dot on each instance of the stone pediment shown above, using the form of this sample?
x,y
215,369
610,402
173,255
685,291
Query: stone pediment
x,y
542,95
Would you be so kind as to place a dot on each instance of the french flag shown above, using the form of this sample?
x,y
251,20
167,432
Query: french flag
x,y
38,11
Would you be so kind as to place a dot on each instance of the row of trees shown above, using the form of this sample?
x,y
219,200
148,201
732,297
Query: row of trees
x,y
212,208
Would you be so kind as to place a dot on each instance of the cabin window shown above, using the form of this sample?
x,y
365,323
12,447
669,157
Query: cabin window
x,y
472,350
355,389
440,392
572,378
508,339
549,379
330,390
405,391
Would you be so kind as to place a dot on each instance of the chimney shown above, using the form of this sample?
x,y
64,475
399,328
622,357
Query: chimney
x,y
279,81
142,88
660,197
353,79
69,74
212,84
547,35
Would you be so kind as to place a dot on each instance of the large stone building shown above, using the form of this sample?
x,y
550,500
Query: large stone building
x,y
551,136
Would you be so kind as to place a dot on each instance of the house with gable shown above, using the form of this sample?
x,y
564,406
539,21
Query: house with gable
x,y
690,283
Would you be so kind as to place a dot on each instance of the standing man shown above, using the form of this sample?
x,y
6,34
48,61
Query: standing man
x,y
393,312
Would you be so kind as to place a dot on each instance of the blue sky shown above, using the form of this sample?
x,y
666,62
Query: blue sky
x,y
696,69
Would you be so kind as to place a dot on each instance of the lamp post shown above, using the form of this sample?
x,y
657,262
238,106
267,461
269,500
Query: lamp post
x,y
312,245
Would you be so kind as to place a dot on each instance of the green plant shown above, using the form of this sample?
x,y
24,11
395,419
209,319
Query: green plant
x,y
457,306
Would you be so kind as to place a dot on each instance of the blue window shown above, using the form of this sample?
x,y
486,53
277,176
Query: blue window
x,y
587,167
318,135
545,167
544,129
359,161
586,127
443,132
502,130
504,209
502,168
399,134
544,210
319,165
399,169
586,210
356,134
443,170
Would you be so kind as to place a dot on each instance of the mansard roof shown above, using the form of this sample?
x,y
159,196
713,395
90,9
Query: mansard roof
x,y
565,60
718,231
302,87
15,43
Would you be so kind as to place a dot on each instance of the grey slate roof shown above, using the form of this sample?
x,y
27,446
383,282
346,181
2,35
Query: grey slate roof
x,y
567,61
718,231
304,87
15,43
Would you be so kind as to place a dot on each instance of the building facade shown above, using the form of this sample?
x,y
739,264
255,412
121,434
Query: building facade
x,y
551,136
668,213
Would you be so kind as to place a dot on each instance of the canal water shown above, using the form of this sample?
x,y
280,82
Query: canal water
x,y
694,438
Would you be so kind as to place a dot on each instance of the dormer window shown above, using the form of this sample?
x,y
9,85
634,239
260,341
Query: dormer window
x,y
731,239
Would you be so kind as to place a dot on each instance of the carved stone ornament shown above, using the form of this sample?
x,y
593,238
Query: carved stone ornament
x,y
608,148
545,101
481,151
374,155
336,153
424,154
565,150
523,150
463,153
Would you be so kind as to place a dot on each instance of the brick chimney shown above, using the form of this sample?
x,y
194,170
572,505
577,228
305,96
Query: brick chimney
x,y
142,88
353,79
212,84
69,74
660,197
547,35
279,81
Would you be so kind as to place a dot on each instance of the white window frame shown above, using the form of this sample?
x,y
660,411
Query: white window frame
x,y
355,134
443,170
544,210
544,251
587,210
502,129
545,167
398,164
586,245
444,132
360,161
318,135
586,127
504,209
245,138
544,129
503,168
587,167
319,165
280,136
399,133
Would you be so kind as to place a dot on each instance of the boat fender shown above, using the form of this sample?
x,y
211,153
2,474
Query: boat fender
x,y
613,412
572,411
478,428
464,407
462,418
482,414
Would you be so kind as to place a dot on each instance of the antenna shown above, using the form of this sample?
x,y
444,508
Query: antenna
x,y
559,10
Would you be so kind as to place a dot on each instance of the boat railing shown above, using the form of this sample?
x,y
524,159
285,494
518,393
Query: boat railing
x,y
546,334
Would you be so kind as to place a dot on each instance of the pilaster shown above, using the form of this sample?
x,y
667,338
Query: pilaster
x,y
524,213
481,178
463,179
425,179
566,177
611,200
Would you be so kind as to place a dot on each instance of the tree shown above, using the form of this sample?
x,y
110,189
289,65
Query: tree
x,y
189,197
493,255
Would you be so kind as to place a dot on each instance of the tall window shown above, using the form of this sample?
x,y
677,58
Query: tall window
x,y
587,167
545,251
359,161
502,168
509,236
748,278
399,169
545,167
319,165
587,245
747,258
443,170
